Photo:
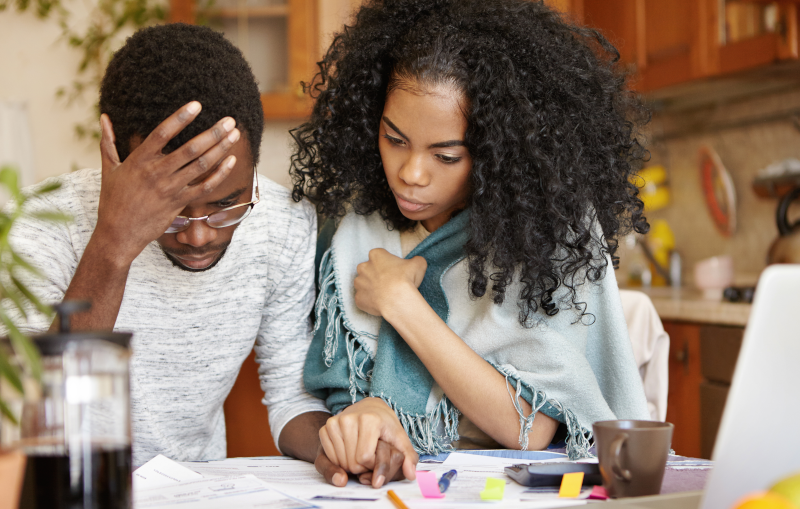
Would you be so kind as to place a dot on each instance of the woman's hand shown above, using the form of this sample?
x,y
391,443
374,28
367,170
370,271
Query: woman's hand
x,y
351,441
383,278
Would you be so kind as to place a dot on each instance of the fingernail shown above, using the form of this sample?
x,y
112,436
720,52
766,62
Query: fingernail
x,y
229,124
379,481
194,107
338,478
231,162
234,136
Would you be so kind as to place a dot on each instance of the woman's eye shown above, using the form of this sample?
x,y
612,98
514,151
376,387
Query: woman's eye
x,y
448,159
394,141
226,204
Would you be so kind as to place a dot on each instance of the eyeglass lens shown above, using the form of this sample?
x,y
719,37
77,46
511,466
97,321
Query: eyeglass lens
x,y
219,219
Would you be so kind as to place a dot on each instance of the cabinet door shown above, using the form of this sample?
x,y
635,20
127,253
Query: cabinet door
x,y
685,377
754,33
277,37
667,41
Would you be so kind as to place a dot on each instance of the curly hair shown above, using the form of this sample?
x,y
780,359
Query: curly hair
x,y
551,129
161,68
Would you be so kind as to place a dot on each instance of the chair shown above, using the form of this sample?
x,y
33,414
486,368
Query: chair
x,y
650,349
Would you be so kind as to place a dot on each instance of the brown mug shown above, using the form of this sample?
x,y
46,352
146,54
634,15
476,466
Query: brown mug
x,y
632,456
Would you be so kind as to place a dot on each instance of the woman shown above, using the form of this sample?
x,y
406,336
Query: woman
x,y
474,159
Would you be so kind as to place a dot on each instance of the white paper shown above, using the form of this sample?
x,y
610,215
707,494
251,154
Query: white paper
x,y
161,471
300,479
242,492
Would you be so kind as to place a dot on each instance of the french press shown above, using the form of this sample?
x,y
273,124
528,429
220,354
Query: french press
x,y
77,434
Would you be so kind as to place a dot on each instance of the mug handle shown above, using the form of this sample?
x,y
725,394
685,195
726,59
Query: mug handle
x,y
616,448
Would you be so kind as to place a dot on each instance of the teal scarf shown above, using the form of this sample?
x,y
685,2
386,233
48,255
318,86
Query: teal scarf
x,y
574,373
395,374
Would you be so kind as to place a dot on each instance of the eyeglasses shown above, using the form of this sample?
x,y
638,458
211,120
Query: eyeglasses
x,y
228,216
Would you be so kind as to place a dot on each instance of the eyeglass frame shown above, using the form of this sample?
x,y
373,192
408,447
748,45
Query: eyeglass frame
x,y
250,204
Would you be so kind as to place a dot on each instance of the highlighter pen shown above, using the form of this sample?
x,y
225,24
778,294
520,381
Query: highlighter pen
x,y
446,479
396,500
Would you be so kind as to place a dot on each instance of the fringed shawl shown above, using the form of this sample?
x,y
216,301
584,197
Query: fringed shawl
x,y
572,372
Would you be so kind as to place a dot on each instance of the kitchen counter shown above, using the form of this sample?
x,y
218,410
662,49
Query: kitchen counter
x,y
688,305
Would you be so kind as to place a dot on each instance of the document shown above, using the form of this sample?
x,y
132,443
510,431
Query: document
x,y
242,492
161,471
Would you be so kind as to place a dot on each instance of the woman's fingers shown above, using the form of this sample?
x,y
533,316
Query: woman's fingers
x,y
334,433
327,446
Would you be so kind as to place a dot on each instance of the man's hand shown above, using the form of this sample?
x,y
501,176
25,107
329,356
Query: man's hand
x,y
140,196
351,440
381,279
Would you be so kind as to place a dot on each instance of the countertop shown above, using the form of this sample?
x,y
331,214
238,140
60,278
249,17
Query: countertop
x,y
688,305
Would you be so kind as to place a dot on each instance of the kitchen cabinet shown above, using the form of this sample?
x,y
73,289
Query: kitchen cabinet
x,y
667,42
278,37
246,418
702,359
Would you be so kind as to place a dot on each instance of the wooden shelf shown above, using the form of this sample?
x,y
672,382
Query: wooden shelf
x,y
266,11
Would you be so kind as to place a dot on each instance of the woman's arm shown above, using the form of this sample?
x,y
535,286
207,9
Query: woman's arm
x,y
387,286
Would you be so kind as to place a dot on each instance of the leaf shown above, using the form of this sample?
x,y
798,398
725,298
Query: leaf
x,y
22,345
8,413
18,260
8,372
56,217
15,297
48,188
42,307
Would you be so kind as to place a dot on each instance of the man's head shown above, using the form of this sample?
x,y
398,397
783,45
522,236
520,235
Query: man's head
x,y
156,72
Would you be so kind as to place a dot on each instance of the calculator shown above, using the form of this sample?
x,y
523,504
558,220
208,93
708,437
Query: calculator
x,y
549,474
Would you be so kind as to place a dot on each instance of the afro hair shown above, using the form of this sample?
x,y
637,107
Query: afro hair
x,y
551,129
161,68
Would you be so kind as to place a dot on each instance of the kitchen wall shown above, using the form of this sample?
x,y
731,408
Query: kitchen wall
x,y
34,63
743,151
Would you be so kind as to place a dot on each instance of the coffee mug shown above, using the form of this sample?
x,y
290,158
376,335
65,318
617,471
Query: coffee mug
x,y
632,456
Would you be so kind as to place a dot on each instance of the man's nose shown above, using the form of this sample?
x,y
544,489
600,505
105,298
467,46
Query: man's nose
x,y
197,235
413,172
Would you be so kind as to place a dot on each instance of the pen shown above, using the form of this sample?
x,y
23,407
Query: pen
x,y
396,500
446,479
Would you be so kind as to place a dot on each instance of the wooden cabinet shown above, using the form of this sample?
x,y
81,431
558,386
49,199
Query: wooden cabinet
x,y
702,359
668,42
290,26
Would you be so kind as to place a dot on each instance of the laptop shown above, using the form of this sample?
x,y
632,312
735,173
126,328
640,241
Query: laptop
x,y
758,442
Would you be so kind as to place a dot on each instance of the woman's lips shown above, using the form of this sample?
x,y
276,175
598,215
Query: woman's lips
x,y
409,206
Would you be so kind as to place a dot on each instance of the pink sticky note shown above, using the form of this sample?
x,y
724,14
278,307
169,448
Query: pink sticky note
x,y
428,484
598,493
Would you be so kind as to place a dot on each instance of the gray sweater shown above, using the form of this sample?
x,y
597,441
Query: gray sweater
x,y
192,331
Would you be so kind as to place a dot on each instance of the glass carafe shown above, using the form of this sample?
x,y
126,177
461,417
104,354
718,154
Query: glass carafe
x,y
77,434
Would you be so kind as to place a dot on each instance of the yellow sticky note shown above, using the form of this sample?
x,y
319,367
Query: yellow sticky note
x,y
571,485
494,489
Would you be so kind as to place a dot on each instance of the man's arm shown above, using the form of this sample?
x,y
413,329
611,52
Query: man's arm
x,y
139,198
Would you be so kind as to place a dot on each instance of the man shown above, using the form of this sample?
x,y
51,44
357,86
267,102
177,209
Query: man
x,y
177,240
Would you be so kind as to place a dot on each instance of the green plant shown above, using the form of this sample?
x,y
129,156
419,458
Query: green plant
x,y
96,40
18,354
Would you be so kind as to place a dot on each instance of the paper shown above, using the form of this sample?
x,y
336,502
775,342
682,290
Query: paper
x,y
428,484
242,492
571,484
161,471
494,489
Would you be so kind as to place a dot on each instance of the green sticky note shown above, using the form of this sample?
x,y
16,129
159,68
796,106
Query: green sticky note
x,y
494,489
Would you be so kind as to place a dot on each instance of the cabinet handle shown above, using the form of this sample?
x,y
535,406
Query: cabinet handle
x,y
682,355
